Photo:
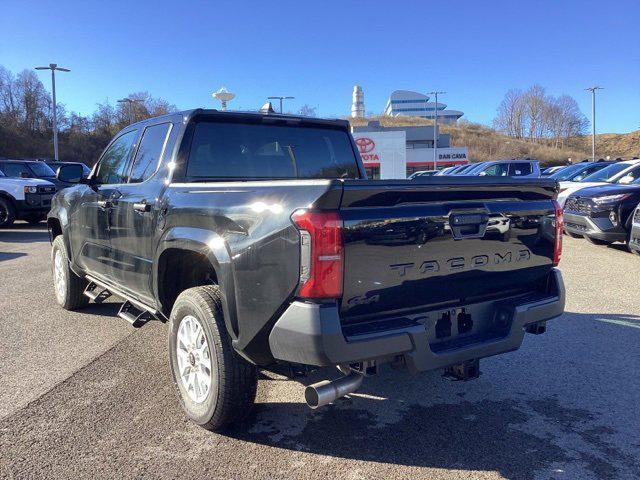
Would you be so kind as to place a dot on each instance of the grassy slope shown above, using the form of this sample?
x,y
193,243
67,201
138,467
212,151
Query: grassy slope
x,y
485,143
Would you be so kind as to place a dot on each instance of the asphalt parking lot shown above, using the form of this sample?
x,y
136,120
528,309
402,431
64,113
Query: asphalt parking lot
x,y
85,395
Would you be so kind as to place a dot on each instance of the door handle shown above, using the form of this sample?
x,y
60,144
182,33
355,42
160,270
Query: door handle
x,y
142,207
104,204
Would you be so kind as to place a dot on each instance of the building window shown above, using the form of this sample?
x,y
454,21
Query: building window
x,y
373,173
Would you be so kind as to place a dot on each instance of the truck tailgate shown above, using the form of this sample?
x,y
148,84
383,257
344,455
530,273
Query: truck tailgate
x,y
412,245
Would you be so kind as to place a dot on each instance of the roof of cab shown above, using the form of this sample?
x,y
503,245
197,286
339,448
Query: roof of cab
x,y
188,115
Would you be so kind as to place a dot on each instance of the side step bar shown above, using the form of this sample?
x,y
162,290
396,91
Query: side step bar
x,y
96,293
132,310
131,314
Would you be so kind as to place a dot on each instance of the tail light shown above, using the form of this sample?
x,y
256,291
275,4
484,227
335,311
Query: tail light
x,y
557,247
321,253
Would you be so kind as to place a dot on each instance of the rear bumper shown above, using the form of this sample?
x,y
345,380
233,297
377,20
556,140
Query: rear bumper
x,y
311,334
600,228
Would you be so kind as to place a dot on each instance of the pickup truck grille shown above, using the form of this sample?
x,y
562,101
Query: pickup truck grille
x,y
577,205
45,189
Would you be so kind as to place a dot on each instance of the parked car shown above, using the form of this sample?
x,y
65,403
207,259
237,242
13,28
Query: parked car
x,y
448,170
603,214
619,172
31,169
577,172
26,199
464,168
259,240
422,173
550,170
506,168
55,165
634,240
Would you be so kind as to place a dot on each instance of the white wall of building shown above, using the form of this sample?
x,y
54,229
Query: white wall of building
x,y
388,149
453,154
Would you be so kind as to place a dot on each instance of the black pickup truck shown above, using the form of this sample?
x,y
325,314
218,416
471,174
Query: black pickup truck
x,y
260,241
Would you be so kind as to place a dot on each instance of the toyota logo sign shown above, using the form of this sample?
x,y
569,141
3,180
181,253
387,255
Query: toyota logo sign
x,y
365,145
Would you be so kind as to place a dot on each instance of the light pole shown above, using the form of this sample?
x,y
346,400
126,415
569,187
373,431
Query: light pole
x,y
130,102
53,67
435,131
593,120
281,99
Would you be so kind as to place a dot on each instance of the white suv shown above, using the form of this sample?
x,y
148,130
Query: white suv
x,y
620,172
25,199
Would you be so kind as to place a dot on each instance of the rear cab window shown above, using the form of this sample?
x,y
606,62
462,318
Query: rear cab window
x,y
232,150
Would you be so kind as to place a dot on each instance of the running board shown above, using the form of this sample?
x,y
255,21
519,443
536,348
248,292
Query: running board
x,y
131,314
96,293
132,310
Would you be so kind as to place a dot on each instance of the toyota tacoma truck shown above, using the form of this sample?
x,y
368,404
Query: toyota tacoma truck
x,y
260,242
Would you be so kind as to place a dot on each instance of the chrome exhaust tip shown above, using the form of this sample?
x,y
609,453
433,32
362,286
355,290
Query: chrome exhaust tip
x,y
327,391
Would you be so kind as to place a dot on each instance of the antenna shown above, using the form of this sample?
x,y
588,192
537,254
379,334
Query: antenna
x,y
223,96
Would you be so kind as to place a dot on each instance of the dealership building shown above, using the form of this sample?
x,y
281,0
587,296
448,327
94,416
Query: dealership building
x,y
397,152
413,104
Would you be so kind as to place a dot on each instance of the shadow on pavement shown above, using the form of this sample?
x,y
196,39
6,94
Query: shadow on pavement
x,y
10,255
464,436
25,233
480,435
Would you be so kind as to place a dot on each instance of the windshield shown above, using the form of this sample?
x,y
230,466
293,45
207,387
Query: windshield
x,y
2,174
606,173
41,169
235,150
568,172
468,168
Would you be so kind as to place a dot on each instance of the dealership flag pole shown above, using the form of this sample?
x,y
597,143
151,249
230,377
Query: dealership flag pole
x,y
435,131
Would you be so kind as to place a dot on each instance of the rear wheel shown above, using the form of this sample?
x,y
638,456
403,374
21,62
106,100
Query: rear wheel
x,y
7,212
596,241
215,385
69,287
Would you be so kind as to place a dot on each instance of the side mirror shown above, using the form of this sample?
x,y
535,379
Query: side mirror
x,y
70,173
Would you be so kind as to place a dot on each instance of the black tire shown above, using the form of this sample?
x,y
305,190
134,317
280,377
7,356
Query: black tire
x,y
234,380
72,296
596,241
574,235
7,212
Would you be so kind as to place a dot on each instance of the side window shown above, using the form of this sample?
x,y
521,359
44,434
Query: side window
x,y
111,168
15,169
497,170
519,169
149,153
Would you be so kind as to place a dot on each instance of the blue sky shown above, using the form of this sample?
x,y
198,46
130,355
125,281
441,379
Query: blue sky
x,y
317,51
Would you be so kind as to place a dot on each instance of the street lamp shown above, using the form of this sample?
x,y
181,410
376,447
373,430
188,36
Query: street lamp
x,y
53,67
281,99
130,102
435,131
593,120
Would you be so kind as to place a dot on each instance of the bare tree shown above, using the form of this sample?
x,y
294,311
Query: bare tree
x,y
534,115
308,111
510,119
